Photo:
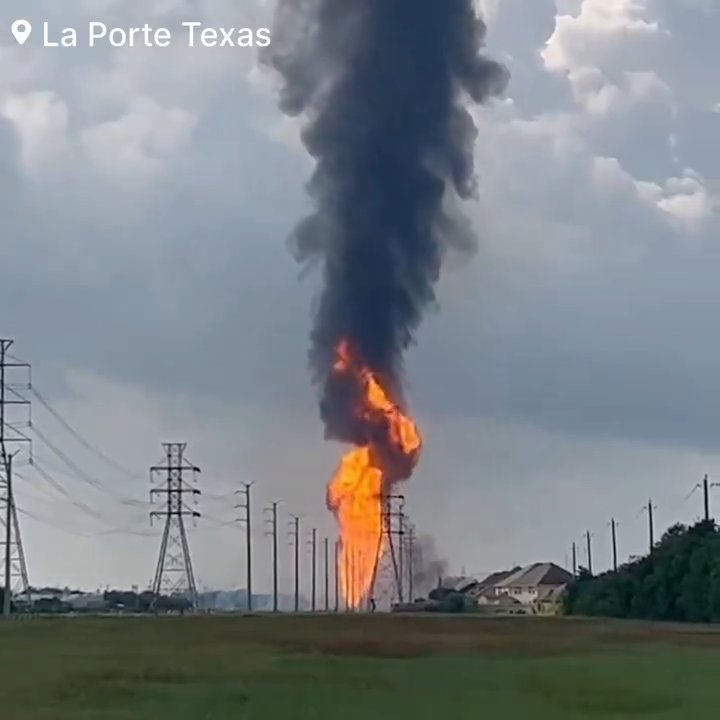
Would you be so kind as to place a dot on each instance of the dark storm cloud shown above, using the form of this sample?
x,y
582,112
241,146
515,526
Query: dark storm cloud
x,y
171,302
384,86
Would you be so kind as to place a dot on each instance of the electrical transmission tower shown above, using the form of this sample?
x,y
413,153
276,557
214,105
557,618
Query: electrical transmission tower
x,y
387,585
15,575
174,573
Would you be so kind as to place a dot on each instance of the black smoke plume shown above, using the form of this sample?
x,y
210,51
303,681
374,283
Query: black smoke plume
x,y
428,568
384,86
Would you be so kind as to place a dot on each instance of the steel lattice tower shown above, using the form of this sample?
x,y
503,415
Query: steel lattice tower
x,y
174,573
15,576
387,585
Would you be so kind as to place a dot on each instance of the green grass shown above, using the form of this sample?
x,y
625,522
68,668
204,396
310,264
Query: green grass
x,y
354,667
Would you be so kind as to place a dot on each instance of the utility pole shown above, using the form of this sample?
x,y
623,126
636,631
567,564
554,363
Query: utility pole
x,y
574,558
411,562
589,551
174,571
613,526
651,524
706,498
336,576
248,541
401,549
272,520
11,397
327,574
295,535
313,549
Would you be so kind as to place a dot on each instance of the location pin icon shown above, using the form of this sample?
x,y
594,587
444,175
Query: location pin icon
x,y
21,30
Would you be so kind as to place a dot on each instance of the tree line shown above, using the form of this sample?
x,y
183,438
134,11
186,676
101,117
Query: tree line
x,y
678,581
112,601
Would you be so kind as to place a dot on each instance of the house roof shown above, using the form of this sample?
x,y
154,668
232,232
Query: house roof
x,y
535,575
494,578
459,584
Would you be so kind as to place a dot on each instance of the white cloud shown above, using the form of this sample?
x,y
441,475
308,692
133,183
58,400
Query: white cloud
x,y
602,30
136,144
148,250
41,120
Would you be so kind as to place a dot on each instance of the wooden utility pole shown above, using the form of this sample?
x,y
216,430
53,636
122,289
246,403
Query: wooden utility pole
x,y
651,525
589,551
574,558
613,526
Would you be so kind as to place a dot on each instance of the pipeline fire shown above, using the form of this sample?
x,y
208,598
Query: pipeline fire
x,y
384,88
365,475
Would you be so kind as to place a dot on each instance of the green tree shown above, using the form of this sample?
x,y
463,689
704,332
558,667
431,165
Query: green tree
x,y
679,580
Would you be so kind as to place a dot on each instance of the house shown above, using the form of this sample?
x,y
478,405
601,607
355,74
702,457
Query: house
x,y
550,600
490,604
531,584
536,589
486,588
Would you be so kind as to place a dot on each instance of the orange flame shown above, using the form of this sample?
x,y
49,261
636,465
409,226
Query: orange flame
x,y
356,491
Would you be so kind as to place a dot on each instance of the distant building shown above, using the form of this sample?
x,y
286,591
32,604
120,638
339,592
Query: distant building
x,y
534,583
86,602
499,604
550,600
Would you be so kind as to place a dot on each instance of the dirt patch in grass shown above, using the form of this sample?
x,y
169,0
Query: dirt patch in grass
x,y
408,637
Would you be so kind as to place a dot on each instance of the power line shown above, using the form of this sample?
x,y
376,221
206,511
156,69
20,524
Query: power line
x,y
88,510
81,439
45,521
33,515
81,474
76,503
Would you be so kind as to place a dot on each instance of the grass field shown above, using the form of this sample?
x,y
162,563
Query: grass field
x,y
355,667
